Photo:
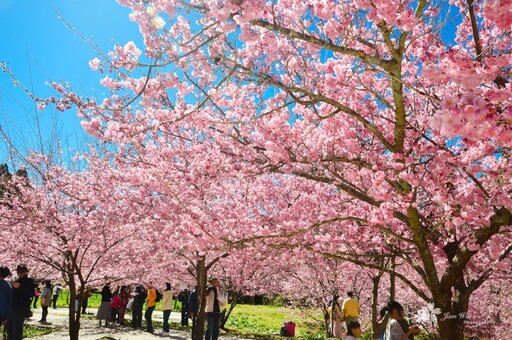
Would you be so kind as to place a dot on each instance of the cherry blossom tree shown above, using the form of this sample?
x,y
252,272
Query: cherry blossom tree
x,y
355,127
69,222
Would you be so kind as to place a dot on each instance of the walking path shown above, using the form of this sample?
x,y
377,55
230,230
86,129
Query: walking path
x,y
90,330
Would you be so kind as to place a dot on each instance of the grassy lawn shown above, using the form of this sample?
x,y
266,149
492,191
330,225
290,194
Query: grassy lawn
x,y
31,331
267,320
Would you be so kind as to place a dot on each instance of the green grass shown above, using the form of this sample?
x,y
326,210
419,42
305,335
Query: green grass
x,y
266,321
31,331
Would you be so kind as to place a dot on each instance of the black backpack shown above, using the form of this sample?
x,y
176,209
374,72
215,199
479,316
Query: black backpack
x,y
158,296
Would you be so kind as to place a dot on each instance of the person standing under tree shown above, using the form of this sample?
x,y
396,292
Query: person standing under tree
x,y
350,308
85,298
215,302
192,308
56,293
5,296
183,298
167,306
150,307
138,302
104,312
46,298
124,296
335,317
22,293
37,294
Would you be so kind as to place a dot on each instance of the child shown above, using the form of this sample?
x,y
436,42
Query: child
x,y
353,330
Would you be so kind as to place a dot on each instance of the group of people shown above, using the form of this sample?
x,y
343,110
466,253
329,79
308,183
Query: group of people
x,y
348,310
393,325
19,294
15,301
115,304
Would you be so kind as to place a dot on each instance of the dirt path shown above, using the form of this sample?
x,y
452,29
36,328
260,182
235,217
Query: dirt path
x,y
90,330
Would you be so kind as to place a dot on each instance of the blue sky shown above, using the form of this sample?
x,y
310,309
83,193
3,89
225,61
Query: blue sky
x,y
38,47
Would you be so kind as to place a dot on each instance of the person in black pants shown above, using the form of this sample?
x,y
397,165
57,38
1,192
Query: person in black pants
x,y
56,293
22,293
138,302
183,298
45,300
216,300
192,309
37,294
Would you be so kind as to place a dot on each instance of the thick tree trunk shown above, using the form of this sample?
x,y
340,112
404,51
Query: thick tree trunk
x,y
451,329
201,299
453,315
74,317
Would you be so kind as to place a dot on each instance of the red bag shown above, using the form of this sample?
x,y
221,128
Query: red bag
x,y
290,328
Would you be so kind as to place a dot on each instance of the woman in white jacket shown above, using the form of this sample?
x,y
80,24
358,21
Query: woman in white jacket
x,y
216,301
167,305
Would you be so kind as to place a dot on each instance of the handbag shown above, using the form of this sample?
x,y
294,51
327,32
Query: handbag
x,y
129,304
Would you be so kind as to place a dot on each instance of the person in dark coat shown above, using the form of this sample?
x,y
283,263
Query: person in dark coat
x,y
138,303
22,293
192,308
183,298
5,296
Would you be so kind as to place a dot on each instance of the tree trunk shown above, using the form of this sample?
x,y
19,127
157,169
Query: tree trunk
x,y
375,304
392,280
201,299
74,317
451,329
453,315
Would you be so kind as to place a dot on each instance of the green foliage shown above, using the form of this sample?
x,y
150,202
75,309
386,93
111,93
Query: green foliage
x,y
278,301
95,301
32,331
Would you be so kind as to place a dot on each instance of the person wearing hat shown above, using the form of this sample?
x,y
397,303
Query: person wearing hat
x,y
216,301
22,294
